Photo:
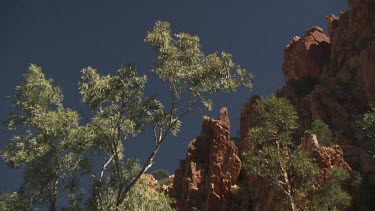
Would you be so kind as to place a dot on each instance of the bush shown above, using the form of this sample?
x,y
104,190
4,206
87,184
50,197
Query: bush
x,y
368,124
322,132
160,174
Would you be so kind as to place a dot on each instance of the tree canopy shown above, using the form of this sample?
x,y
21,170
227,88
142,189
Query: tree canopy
x,y
56,145
368,125
275,158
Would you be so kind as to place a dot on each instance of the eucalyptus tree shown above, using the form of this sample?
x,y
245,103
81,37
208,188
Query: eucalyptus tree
x,y
330,195
44,141
121,109
275,158
56,149
368,124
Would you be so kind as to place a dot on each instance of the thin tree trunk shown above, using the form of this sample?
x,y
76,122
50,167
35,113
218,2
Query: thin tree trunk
x,y
52,206
291,201
148,163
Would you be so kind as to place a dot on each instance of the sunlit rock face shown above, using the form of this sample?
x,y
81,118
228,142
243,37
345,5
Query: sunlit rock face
x,y
305,57
332,78
327,76
337,85
210,168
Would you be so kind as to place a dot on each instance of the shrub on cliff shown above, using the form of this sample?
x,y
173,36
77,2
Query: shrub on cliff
x,y
277,160
330,196
368,124
160,174
274,157
322,132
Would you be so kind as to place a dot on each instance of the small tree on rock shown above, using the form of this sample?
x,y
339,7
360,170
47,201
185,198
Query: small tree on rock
x,y
274,157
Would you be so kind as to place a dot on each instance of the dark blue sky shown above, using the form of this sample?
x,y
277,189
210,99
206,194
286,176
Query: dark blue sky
x,y
65,36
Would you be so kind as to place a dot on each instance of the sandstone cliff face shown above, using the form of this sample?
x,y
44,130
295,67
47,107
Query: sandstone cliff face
x,y
343,73
247,113
331,78
353,44
211,167
305,57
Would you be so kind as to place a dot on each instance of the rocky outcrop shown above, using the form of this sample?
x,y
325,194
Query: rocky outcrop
x,y
353,45
325,157
341,78
305,57
247,114
331,78
210,169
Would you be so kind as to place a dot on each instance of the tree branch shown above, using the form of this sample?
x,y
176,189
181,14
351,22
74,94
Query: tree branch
x,y
148,163
104,167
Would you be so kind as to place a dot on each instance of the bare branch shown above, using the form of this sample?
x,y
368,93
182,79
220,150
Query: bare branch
x,y
148,163
104,167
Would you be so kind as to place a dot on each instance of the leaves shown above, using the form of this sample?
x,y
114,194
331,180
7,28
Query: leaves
x,y
13,202
42,144
368,124
287,168
322,131
183,65
330,196
273,157
57,150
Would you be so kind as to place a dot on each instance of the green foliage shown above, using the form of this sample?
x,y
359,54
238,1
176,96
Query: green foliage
x,y
273,116
185,68
104,191
330,196
339,174
14,202
160,174
56,150
116,98
322,132
141,197
166,181
274,158
144,199
368,124
44,143
120,107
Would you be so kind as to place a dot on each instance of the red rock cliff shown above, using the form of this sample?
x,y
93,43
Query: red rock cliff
x,y
336,81
210,168
331,78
